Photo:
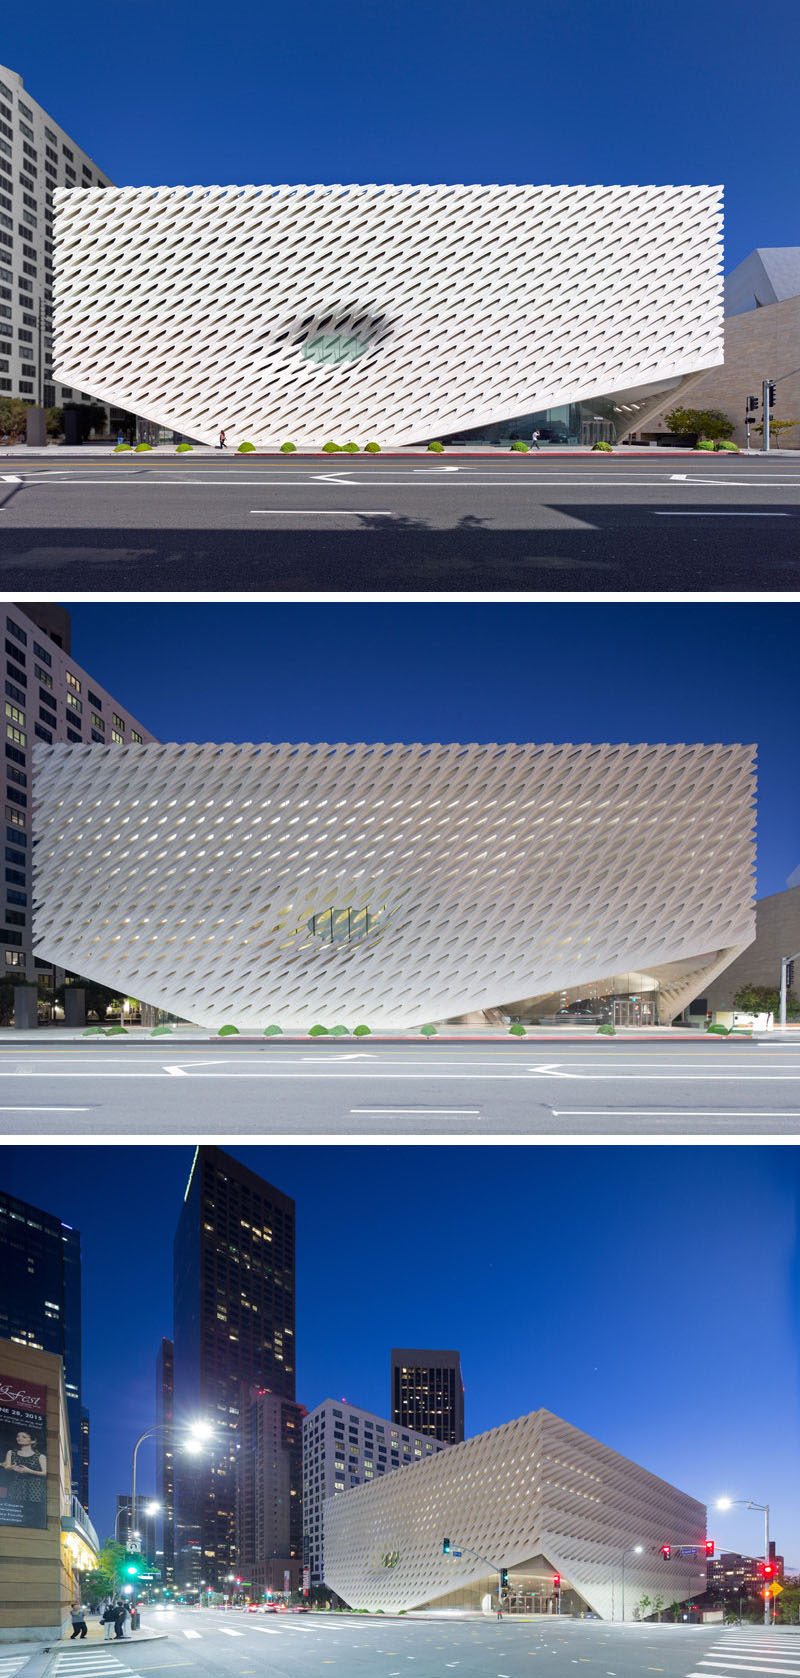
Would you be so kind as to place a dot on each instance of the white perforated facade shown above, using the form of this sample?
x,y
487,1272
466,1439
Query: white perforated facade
x,y
535,1496
386,313
389,884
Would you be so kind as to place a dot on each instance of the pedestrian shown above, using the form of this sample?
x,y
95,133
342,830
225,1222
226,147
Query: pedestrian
x,y
78,1618
222,442
535,440
120,438
108,1621
120,1612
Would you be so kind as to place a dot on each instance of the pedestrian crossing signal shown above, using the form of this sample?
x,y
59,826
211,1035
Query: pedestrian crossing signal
x,y
666,1551
445,1546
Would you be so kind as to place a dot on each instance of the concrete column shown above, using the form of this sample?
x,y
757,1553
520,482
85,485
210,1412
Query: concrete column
x,y
74,1005
36,428
26,1010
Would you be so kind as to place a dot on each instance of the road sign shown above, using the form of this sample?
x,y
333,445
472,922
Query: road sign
x,y
775,1590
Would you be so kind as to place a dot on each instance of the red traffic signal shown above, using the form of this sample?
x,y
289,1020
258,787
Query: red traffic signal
x,y
709,1546
556,1581
666,1551
768,1570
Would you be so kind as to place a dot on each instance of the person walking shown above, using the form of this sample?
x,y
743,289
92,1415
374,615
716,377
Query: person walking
x,y
108,1621
222,442
78,1618
535,440
120,1613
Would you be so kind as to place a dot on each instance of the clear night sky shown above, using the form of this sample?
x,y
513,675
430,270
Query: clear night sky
x,y
595,672
427,90
647,1294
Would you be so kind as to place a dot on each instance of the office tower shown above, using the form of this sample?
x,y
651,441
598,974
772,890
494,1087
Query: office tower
x,y
85,1424
344,1447
428,1393
40,1302
165,1461
234,1318
36,155
48,696
146,1525
269,1500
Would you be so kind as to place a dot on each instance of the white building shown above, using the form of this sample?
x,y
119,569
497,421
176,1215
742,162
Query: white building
x,y
394,314
391,885
345,1447
36,156
536,1497
48,697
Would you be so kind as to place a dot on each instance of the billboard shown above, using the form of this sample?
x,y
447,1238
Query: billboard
x,y
23,1453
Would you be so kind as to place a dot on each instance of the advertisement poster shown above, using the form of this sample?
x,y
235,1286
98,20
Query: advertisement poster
x,y
23,1453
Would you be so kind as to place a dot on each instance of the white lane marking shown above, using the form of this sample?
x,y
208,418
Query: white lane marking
x,y
267,1631
323,513
191,1633
741,1667
366,1073
677,477
664,1113
227,1632
739,1661
181,1072
657,513
441,1112
10,478
43,1109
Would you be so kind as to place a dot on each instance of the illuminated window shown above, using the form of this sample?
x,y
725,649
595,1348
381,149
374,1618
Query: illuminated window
x,y
72,682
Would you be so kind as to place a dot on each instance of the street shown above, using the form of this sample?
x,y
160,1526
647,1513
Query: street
x,y
209,1641
401,525
213,1090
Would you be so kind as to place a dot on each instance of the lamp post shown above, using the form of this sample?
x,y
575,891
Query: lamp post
x,y
632,1550
196,1434
763,1508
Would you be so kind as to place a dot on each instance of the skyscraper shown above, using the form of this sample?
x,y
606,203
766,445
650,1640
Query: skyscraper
x,y
428,1392
234,1322
269,1506
165,1461
40,1305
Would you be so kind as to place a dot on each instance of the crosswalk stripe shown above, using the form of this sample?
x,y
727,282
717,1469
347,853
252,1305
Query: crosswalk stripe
x,y
266,1631
226,1632
744,1666
191,1633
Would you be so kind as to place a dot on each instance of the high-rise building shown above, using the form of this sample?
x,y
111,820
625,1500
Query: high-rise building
x,y
36,155
234,1322
165,1461
428,1393
269,1499
40,1304
145,1525
344,1447
48,696
83,1494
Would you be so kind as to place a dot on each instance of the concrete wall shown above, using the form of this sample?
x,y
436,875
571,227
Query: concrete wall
x,y
762,344
777,934
37,1581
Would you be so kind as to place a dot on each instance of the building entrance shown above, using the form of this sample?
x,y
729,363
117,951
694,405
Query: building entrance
x,y
634,1010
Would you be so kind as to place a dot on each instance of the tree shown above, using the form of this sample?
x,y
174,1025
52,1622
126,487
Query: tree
x,y
760,999
776,426
658,1603
644,1607
13,418
709,423
55,422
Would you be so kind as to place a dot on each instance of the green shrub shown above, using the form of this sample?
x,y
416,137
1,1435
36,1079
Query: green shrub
x,y
143,448
273,1031
372,448
728,446
704,445
162,1030
246,448
436,448
717,1030
122,448
94,1031
318,1031
427,1031
362,1031
350,448
330,448
339,1031
518,447
607,1030
228,1031
184,448
602,448
288,448
516,1030
116,1031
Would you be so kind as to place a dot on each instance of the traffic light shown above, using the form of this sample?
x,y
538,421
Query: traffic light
x,y
132,1568
445,1546
709,1546
768,1570
752,404
556,1581
666,1551
772,393
504,1578
789,974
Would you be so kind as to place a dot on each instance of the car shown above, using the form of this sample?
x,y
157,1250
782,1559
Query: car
x,y
300,1608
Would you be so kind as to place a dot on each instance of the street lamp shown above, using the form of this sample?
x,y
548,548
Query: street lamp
x,y
197,1434
632,1550
747,1502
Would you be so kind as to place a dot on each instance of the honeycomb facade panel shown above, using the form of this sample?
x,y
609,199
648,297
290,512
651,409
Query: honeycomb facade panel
x,y
535,1494
387,313
390,883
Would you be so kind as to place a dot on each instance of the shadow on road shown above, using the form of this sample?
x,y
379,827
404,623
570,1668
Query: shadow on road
x,y
624,548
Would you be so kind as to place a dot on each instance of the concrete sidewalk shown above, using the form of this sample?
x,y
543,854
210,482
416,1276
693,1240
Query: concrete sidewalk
x,y
96,1639
204,451
188,1034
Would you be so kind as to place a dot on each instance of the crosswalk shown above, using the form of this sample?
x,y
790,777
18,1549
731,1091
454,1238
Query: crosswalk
x,y
88,1663
775,1650
11,1664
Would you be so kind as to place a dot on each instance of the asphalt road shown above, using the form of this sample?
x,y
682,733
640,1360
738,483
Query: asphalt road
x,y
504,523
217,1092
289,1646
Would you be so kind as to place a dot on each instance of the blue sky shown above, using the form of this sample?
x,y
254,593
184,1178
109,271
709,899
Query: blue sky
x,y
430,90
417,671
648,1295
